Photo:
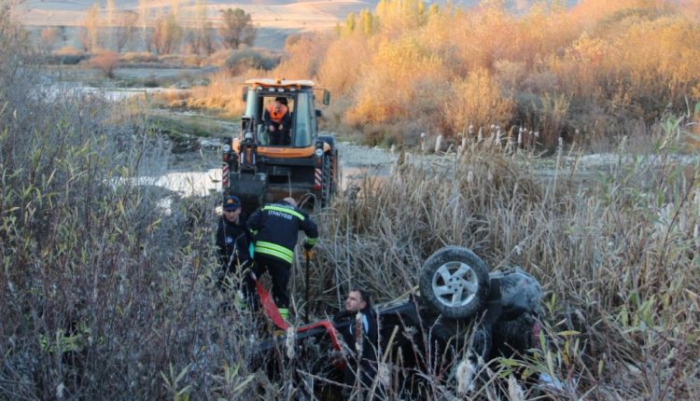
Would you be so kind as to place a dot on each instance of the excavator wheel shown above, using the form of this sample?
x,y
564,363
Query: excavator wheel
x,y
327,184
328,187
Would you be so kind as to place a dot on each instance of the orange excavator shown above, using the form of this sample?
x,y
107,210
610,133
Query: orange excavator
x,y
265,164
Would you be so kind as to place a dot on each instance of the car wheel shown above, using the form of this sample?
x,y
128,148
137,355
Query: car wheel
x,y
454,282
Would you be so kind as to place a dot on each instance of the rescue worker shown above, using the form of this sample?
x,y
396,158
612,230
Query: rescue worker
x,y
277,120
362,339
233,242
275,228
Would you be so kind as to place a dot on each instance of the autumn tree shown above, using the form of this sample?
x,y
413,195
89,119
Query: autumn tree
x,y
110,23
350,23
200,38
89,33
175,8
49,37
237,28
106,62
167,35
143,14
125,29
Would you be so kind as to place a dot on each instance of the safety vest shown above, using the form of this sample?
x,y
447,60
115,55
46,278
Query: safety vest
x,y
277,113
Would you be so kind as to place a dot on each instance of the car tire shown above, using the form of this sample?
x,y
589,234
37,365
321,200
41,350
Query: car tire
x,y
454,282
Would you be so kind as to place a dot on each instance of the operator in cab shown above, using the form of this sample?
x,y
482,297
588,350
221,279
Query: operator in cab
x,y
277,121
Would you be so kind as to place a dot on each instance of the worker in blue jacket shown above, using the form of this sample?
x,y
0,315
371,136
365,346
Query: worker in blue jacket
x,y
275,229
233,242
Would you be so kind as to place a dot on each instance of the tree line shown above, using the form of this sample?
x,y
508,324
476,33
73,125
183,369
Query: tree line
x,y
161,31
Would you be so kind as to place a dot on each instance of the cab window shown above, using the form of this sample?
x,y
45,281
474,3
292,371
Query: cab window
x,y
301,135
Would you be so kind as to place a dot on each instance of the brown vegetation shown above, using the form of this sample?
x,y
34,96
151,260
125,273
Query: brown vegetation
x,y
105,294
166,35
106,62
602,69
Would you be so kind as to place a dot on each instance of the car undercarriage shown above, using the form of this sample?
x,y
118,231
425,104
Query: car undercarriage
x,y
459,316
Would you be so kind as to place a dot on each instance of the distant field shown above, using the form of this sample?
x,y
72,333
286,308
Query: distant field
x,y
304,15
310,14
276,19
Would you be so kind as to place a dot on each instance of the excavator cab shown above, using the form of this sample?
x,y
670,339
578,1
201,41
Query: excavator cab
x,y
261,167
297,134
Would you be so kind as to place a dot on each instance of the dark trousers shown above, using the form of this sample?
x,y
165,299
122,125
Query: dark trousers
x,y
279,137
280,272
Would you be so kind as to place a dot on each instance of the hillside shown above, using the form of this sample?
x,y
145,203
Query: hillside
x,y
303,15
276,19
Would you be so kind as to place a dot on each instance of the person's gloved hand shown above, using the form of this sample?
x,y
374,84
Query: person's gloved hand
x,y
307,250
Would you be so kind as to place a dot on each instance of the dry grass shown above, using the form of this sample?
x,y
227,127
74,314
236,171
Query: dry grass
x,y
106,295
222,93
617,256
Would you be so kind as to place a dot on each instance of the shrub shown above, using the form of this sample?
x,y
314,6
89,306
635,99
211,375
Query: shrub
x,y
246,59
477,101
303,56
140,57
67,56
219,58
106,62
334,73
405,76
68,51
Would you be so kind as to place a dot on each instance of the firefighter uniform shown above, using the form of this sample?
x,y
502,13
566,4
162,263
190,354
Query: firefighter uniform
x,y
275,228
233,243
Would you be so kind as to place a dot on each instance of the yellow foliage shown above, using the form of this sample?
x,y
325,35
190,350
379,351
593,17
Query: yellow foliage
x,y
476,100
397,16
223,93
304,57
395,79
595,10
336,72
602,61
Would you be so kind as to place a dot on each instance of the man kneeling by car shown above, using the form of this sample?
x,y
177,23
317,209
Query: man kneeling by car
x,y
362,339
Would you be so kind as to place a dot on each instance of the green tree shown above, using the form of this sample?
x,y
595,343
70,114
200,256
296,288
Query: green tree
x,y
237,28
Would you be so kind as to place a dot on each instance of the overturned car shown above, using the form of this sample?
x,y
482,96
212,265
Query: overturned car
x,y
463,313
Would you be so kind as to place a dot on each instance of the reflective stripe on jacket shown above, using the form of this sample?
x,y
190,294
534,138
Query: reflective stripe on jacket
x,y
276,229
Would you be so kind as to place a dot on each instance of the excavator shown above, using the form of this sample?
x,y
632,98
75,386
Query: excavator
x,y
263,164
